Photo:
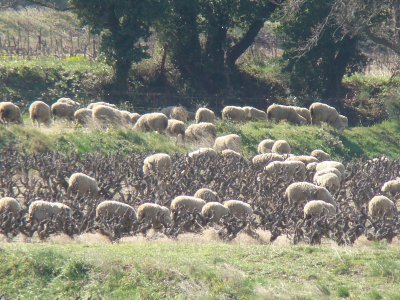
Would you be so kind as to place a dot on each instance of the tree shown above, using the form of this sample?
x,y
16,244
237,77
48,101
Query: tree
x,y
123,26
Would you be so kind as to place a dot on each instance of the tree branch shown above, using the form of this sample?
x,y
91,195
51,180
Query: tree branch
x,y
382,41
49,5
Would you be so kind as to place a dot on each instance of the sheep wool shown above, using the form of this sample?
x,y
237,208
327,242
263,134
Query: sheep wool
x,y
331,164
175,128
215,211
330,181
239,209
187,203
201,133
288,169
83,116
300,192
109,209
9,205
40,113
265,146
234,113
154,213
157,163
254,114
40,210
106,116
10,113
380,206
203,152
230,141
265,159
278,113
392,186
207,195
316,208
82,184
152,122
205,115
281,147
320,155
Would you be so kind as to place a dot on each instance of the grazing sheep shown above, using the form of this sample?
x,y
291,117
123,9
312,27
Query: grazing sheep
x,y
239,209
330,181
288,169
329,171
311,166
40,113
380,206
281,147
126,118
205,115
203,152
108,210
152,122
303,158
157,214
254,114
300,192
106,116
230,141
392,187
331,164
278,113
9,205
215,211
134,117
234,113
62,110
68,101
321,112
207,195
179,113
320,155
231,154
82,184
187,203
175,128
317,208
202,133
265,159
93,105
83,116
40,210
157,163
304,112
10,113
265,146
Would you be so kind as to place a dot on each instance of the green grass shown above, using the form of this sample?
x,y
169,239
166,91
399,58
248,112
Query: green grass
x,y
168,270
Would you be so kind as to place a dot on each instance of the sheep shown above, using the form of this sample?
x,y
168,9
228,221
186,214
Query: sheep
x,y
255,114
82,184
392,187
278,113
106,116
265,146
207,195
304,112
238,209
203,152
317,208
187,203
179,113
63,110
303,158
380,206
281,147
330,181
234,113
231,154
157,214
11,206
202,133
300,192
320,155
10,113
93,105
329,171
175,128
311,166
134,117
152,122
214,211
265,159
157,163
83,116
41,210
40,113
289,169
321,112
108,210
331,164
68,101
205,115
230,141
126,118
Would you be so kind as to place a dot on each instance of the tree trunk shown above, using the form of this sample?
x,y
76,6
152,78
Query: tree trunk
x,y
396,13
120,80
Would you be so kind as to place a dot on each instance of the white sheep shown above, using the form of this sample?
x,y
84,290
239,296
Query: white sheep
x,y
230,141
40,113
392,187
278,113
304,112
203,152
234,113
83,116
265,146
179,113
281,147
316,208
152,122
68,101
231,154
202,133
63,110
156,214
215,211
207,195
239,209
321,112
157,163
134,117
109,209
381,205
331,164
254,114
320,155
288,169
205,115
40,210
10,113
93,105
330,181
303,158
187,203
300,192
126,118
176,128
82,184
11,206
329,171
311,166
106,116
266,158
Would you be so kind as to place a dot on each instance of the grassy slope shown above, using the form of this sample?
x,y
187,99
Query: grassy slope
x,y
161,270
371,141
